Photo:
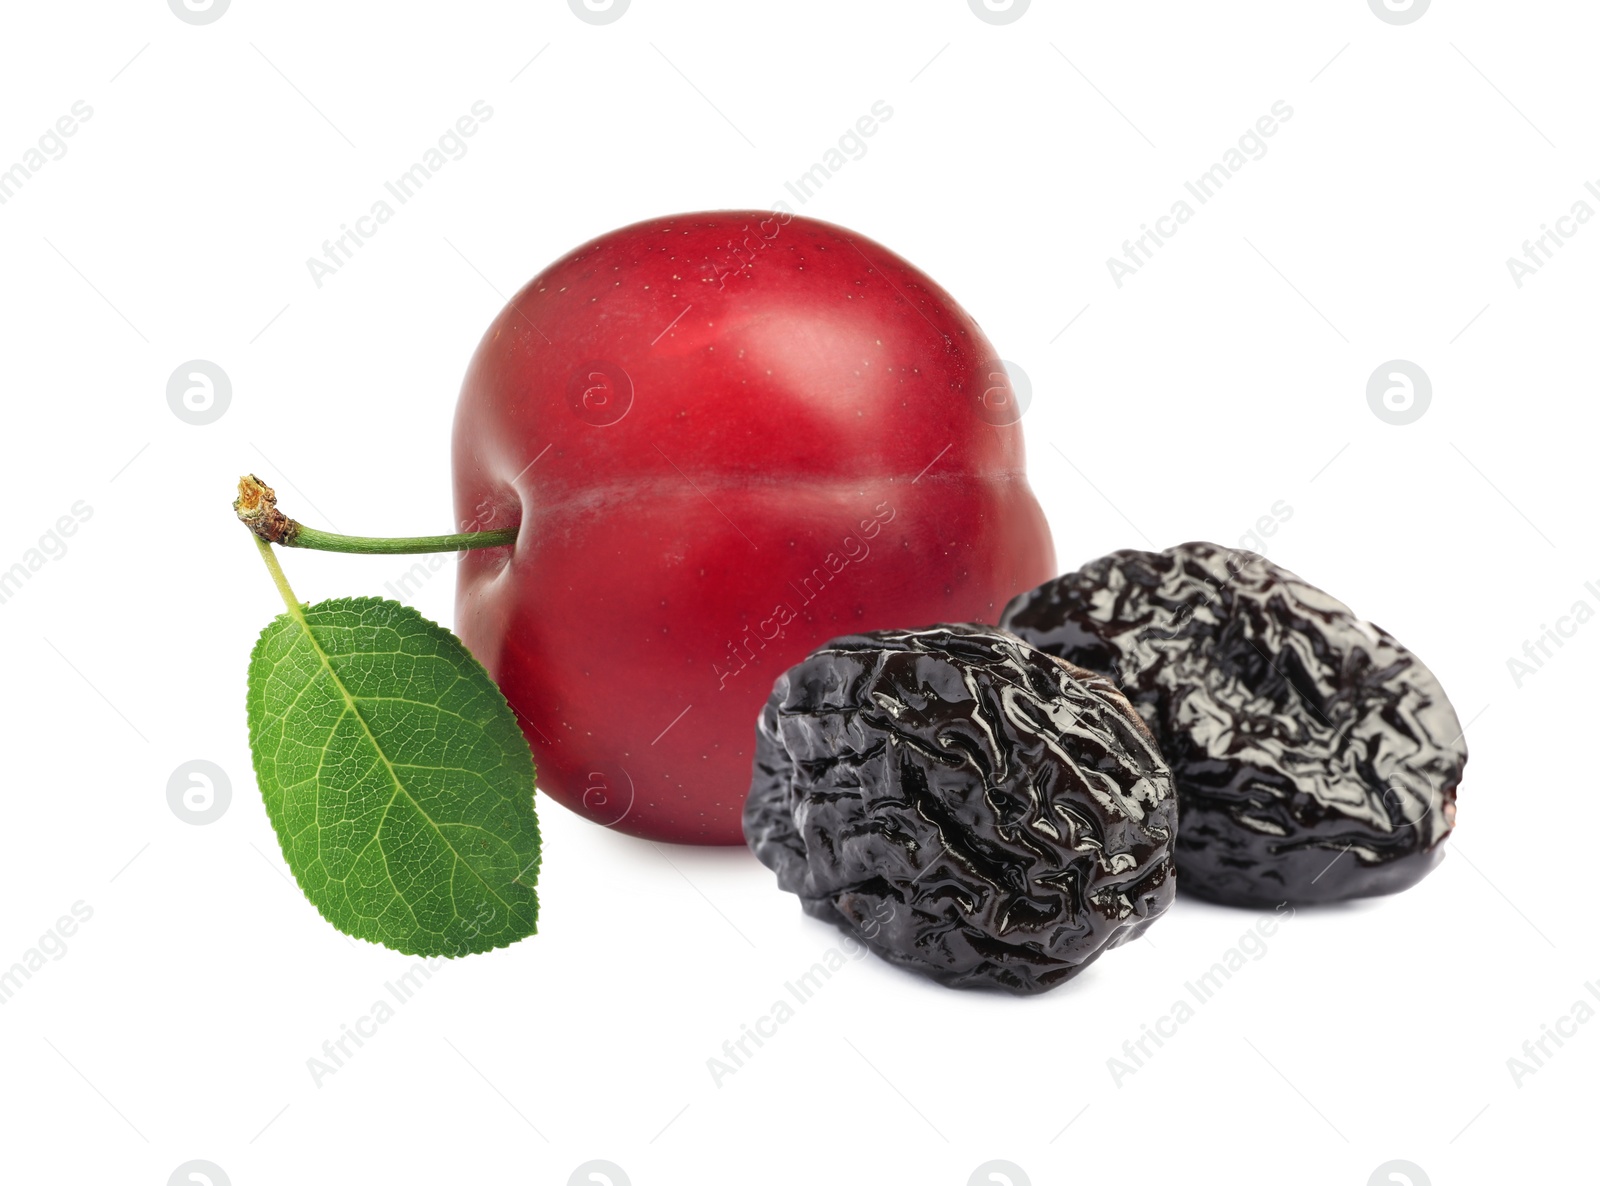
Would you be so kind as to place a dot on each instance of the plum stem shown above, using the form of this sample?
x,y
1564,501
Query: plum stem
x,y
257,509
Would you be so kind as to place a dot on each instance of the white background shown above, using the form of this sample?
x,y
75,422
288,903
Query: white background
x,y
1227,375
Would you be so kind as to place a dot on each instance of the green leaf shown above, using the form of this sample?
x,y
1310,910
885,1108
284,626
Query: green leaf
x,y
396,778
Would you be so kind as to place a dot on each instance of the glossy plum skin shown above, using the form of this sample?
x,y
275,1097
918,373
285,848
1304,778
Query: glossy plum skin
x,y
727,438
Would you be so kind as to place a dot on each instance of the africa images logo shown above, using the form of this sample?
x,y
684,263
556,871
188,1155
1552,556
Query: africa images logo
x,y
1399,12
999,12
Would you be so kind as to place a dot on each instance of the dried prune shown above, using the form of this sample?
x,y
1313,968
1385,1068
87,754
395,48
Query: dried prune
x,y
1315,757
970,807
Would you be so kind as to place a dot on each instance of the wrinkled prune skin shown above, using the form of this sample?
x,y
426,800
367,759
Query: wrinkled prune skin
x,y
971,808
1316,758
